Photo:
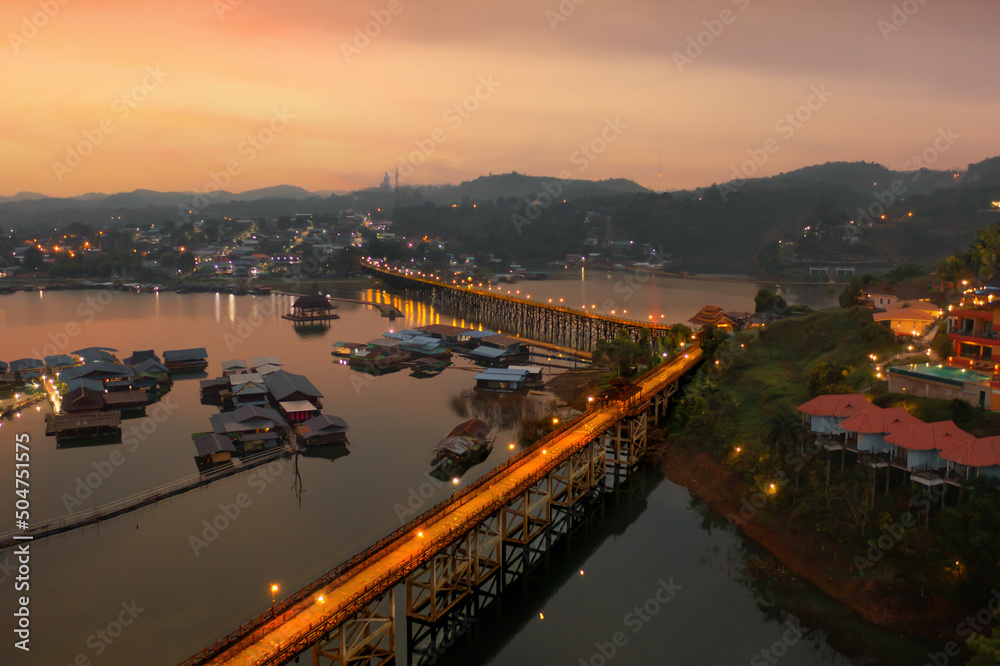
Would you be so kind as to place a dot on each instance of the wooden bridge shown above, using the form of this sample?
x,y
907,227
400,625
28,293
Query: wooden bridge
x,y
457,558
532,319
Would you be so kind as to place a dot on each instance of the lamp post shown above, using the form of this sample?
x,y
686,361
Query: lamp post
x,y
274,588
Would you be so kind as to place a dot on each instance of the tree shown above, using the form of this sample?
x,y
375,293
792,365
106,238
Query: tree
x,y
33,259
942,344
765,301
986,649
186,262
903,272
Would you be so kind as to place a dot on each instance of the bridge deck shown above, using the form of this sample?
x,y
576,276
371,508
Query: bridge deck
x,y
651,325
278,639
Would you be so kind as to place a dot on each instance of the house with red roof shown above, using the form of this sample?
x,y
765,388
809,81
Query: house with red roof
x,y
869,427
973,458
827,412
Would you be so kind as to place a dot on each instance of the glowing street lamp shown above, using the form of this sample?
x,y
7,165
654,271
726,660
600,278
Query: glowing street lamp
x,y
274,588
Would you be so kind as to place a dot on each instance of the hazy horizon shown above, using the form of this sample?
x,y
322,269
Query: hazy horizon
x,y
105,96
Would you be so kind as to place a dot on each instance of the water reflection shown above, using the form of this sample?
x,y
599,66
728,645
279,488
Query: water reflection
x,y
530,416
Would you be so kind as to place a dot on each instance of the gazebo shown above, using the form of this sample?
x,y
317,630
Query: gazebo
x,y
312,308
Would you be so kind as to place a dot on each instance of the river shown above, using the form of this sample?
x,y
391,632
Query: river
x,y
156,586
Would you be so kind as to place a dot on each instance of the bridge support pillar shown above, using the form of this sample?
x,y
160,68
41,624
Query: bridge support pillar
x,y
661,401
368,638
525,528
626,445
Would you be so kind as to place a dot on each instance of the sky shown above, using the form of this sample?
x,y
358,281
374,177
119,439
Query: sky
x,y
184,95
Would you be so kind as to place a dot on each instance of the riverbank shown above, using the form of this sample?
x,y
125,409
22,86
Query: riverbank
x,y
822,563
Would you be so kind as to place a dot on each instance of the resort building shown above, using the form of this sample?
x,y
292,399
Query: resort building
x,y
909,318
929,453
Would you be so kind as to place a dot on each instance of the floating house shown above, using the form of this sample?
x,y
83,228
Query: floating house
x,y
113,376
502,380
214,448
312,308
92,384
297,411
186,360
285,387
125,399
348,348
246,388
470,338
26,369
150,373
213,388
251,427
97,355
261,361
138,357
449,335
323,429
234,367
83,425
83,400
58,362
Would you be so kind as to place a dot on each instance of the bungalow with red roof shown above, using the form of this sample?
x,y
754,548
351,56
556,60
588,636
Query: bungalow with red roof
x,y
871,426
973,458
827,412
917,447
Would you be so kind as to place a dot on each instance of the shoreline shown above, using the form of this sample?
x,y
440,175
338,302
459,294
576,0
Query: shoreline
x,y
722,490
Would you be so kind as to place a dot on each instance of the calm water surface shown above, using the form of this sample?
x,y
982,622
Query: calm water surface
x,y
294,529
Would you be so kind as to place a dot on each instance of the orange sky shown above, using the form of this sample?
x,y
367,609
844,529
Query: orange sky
x,y
108,96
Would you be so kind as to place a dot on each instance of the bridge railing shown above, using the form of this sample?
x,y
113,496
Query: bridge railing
x,y
288,607
655,326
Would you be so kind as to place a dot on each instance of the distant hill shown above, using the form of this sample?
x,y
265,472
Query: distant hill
x,y
862,177
518,185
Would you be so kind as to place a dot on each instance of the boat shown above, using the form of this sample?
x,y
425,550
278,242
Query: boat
x,y
467,444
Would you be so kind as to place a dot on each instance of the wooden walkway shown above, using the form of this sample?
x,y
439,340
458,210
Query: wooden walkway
x,y
292,626
147,497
